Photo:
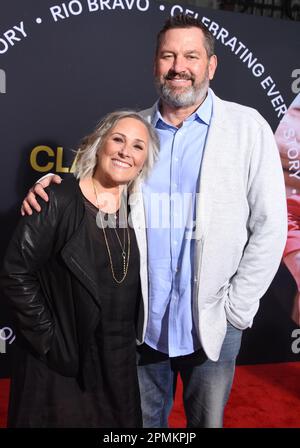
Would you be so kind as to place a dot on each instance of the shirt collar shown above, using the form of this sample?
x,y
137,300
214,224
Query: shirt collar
x,y
202,114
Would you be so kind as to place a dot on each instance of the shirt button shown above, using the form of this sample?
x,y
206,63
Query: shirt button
x,y
176,159
175,243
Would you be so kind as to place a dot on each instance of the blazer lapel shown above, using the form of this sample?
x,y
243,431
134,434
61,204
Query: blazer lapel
x,y
137,218
216,146
78,254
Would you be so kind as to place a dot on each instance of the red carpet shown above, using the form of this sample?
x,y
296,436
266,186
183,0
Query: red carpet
x,y
263,396
4,391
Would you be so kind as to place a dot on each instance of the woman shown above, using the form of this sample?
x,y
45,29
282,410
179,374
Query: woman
x,y
72,279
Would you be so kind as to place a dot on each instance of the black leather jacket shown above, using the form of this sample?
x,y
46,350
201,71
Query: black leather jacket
x,y
48,279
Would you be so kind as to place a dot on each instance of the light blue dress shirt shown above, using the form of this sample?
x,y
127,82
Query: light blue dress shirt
x,y
170,201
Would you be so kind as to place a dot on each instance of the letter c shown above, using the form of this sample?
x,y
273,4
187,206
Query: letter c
x,y
33,158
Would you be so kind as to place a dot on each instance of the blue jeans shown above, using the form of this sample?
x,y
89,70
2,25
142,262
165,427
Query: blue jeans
x,y
206,384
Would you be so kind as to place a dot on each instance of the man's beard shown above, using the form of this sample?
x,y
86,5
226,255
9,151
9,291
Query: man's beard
x,y
190,96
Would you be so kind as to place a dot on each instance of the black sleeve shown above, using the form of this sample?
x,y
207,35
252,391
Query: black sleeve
x,y
29,249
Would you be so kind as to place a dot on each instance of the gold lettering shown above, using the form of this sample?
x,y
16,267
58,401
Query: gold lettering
x,y
59,161
72,169
33,158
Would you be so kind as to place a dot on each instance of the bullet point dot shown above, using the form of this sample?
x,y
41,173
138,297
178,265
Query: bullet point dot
x,y
162,7
38,20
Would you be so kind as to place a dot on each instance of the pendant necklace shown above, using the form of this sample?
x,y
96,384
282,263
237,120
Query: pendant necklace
x,y
125,257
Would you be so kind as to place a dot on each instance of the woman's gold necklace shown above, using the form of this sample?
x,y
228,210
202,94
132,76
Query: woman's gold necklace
x,y
123,253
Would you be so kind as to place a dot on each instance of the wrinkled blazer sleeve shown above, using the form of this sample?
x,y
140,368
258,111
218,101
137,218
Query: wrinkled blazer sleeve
x,y
267,227
28,250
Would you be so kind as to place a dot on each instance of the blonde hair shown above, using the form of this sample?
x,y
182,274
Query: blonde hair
x,y
86,155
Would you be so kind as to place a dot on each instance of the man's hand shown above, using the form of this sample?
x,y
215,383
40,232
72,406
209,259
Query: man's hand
x,y
30,201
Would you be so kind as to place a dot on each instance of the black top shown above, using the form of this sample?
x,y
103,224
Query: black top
x,y
114,347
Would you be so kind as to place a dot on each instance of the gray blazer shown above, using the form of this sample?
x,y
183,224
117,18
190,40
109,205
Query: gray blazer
x,y
241,223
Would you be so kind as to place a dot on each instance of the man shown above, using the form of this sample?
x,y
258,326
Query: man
x,y
210,257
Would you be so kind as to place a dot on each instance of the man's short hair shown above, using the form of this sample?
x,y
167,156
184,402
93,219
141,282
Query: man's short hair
x,y
186,21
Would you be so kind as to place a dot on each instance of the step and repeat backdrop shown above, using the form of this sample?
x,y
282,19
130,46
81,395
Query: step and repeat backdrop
x,y
63,65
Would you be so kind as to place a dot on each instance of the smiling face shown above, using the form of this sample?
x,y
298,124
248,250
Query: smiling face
x,y
123,153
182,68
